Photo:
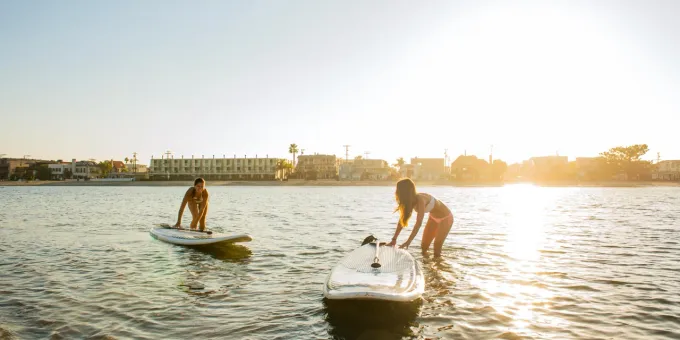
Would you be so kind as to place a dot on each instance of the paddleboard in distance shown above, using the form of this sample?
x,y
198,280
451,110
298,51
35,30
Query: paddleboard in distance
x,y
188,237
398,277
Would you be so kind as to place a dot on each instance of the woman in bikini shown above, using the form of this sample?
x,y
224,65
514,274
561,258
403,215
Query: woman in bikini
x,y
196,198
438,224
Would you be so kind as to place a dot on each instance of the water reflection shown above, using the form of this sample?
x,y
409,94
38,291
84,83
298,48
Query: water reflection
x,y
439,275
584,263
365,319
525,211
199,271
518,290
227,252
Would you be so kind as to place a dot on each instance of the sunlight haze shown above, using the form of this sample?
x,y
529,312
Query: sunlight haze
x,y
395,78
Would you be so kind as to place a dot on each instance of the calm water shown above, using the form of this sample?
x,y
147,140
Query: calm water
x,y
520,262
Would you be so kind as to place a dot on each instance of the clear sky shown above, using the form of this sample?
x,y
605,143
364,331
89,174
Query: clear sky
x,y
96,79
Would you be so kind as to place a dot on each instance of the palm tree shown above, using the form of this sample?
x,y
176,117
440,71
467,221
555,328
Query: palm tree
x,y
280,166
284,167
400,162
277,167
293,148
288,167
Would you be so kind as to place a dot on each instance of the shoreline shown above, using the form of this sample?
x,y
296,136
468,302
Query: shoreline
x,y
334,183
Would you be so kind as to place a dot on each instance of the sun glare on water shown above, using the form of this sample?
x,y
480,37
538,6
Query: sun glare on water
x,y
525,211
519,292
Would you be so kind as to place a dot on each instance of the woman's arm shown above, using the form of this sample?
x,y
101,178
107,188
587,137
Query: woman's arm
x,y
419,222
396,234
181,210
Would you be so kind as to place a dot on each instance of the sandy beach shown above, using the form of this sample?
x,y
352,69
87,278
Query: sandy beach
x,y
342,183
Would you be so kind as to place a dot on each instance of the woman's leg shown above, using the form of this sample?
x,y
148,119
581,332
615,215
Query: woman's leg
x,y
442,233
194,215
428,235
202,222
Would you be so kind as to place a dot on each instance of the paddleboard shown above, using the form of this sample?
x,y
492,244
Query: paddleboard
x,y
188,237
399,277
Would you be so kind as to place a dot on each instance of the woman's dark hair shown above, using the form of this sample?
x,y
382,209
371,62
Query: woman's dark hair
x,y
199,180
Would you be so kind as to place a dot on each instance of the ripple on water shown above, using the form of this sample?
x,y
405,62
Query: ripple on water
x,y
520,263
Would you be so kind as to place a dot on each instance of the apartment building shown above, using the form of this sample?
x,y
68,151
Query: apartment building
x,y
214,168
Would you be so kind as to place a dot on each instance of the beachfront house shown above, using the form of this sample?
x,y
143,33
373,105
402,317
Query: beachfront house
x,y
317,166
667,171
548,167
362,169
86,170
429,169
470,168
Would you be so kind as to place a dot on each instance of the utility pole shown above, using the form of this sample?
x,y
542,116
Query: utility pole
x,y
366,153
346,152
167,161
446,160
491,155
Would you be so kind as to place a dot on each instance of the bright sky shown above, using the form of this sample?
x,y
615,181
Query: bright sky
x,y
96,79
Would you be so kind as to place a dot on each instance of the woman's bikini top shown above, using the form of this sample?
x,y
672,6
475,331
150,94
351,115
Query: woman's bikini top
x,y
197,200
430,205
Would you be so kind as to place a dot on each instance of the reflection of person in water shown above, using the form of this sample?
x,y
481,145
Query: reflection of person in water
x,y
439,221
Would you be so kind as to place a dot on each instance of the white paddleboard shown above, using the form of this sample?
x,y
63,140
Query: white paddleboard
x,y
189,237
399,277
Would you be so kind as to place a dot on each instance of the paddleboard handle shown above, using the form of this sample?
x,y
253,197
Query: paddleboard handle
x,y
167,226
376,260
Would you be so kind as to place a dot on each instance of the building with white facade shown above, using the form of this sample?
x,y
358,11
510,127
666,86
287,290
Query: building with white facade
x,y
214,168
78,170
667,170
